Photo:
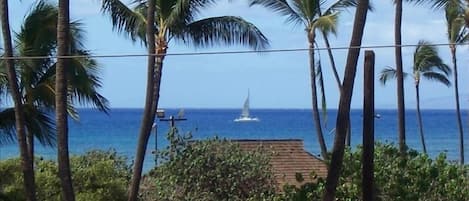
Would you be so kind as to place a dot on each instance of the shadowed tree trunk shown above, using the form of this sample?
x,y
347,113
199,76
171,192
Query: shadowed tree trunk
x,y
151,100
316,116
63,49
343,114
419,116
399,76
26,162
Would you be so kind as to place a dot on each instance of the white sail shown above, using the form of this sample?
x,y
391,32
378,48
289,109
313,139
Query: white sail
x,y
245,111
245,116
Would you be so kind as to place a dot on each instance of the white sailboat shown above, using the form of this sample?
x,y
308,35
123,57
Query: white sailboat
x,y
245,117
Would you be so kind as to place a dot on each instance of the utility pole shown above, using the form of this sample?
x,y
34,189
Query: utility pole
x,y
368,127
172,126
159,114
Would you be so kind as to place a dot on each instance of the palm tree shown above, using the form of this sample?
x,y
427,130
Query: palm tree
x,y
457,34
63,49
399,75
343,114
174,19
26,163
308,13
37,37
427,64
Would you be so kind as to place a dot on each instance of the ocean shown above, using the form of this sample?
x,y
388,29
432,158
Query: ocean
x,y
119,130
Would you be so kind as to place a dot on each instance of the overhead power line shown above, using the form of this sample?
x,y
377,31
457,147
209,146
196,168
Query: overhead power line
x,y
223,52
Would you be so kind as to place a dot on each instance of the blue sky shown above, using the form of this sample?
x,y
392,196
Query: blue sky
x,y
275,80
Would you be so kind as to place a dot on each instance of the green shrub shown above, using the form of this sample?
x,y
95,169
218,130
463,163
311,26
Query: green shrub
x,y
96,175
212,170
415,177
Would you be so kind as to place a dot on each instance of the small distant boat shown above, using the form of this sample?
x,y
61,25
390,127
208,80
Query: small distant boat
x,y
377,116
245,117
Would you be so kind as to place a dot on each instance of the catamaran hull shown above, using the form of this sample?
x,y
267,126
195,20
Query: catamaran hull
x,y
247,119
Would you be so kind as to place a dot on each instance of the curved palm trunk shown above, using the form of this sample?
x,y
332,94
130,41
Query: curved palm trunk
x,y
316,116
63,49
419,117
343,114
399,76
151,101
331,59
458,109
337,80
26,163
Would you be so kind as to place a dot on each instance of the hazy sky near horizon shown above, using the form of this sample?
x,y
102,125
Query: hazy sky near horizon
x,y
275,80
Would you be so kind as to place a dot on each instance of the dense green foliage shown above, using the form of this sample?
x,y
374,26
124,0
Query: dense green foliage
x,y
212,170
415,177
218,170
97,176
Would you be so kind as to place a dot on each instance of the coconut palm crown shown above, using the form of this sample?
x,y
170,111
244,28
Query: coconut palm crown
x,y
179,19
37,37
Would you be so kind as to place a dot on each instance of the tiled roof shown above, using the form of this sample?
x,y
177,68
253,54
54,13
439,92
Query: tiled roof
x,y
288,159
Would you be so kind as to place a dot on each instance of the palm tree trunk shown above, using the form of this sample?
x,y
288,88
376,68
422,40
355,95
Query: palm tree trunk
x,y
26,163
419,118
316,116
30,142
343,114
63,49
399,76
331,59
337,79
458,110
150,105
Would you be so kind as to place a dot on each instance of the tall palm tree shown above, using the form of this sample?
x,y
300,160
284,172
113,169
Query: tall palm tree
x,y
399,75
343,114
174,20
151,100
63,49
37,37
308,13
457,34
427,64
26,163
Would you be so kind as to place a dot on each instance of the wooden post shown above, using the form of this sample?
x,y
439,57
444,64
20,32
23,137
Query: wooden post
x,y
368,127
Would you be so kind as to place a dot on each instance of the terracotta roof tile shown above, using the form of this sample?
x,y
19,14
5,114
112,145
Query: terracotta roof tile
x,y
288,159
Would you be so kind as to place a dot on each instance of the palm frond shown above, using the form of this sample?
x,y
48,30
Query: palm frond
x,y
77,34
426,59
282,7
7,126
227,30
37,34
124,19
327,23
184,11
340,5
307,10
439,4
457,31
38,122
386,74
41,124
439,77
84,81
320,80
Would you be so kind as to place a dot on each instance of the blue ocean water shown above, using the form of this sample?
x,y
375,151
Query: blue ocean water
x,y
119,130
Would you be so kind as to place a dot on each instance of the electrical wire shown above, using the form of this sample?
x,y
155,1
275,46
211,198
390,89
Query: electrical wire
x,y
222,52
